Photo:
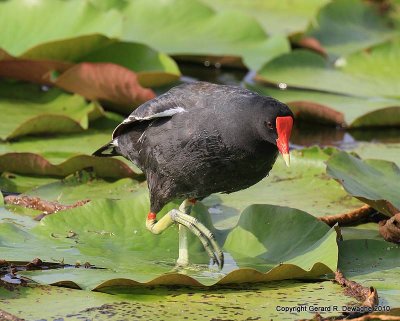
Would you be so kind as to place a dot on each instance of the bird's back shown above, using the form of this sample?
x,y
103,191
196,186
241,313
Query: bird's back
x,y
209,147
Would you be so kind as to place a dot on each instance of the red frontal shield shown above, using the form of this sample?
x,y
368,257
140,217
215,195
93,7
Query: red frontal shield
x,y
284,129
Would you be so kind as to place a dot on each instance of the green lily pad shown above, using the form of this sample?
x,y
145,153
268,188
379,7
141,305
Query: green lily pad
x,y
346,26
63,155
152,68
112,235
26,109
270,14
67,49
199,30
230,302
370,74
101,81
24,219
80,186
83,185
304,185
14,183
328,108
47,20
389,151
363,231
375,182
110,4
373,263
191,21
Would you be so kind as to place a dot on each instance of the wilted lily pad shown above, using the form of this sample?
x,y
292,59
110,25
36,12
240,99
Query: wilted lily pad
x,y
105,82
35,71
143,60
26,109
281,243
152,68
375,182
39,63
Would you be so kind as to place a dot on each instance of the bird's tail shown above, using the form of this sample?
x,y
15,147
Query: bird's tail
x,y
107,150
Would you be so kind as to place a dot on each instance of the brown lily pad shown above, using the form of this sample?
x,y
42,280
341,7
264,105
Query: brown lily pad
x,y
105,82
36,71
30,163
390,229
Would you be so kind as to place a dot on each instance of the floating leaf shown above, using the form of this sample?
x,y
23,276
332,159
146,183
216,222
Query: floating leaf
x,y
14,183
39,72
26,110
389,151
199,30
371,74
63,155
361,232
375,182
194,24
112,234
82,185
347,26
105,82
151,67
327,108
288,187
373,263
34,164
244,301
307,170
42,21
67,50
297,14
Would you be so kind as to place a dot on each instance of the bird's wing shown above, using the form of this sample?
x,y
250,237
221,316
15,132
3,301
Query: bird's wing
x,y
165,105
180,99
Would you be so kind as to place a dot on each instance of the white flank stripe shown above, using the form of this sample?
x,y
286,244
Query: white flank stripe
x,y
165,113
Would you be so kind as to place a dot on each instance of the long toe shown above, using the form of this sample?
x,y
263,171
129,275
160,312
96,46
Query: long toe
x,y
206,237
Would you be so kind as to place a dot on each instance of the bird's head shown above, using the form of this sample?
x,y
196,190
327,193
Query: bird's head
x,y
275,126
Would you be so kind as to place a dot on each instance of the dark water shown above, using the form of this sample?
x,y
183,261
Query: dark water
x,y
304,133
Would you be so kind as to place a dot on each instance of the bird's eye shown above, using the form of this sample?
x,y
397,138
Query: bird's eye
x,y
269,125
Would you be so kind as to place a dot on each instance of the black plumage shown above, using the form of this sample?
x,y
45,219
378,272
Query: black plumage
x,y
198,139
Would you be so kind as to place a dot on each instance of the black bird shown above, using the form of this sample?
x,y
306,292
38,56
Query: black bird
x,y
198,139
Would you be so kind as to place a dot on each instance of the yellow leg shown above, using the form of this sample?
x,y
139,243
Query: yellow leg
x,y
190,223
